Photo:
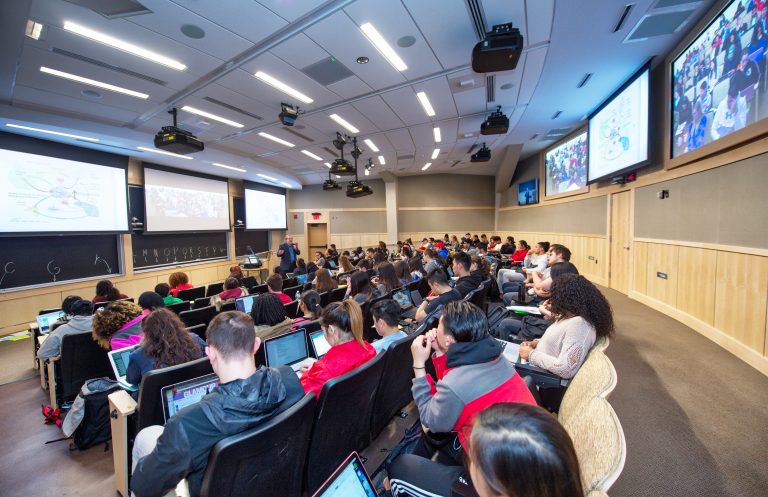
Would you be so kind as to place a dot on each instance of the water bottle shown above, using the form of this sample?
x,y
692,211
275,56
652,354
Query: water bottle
x,y
298,295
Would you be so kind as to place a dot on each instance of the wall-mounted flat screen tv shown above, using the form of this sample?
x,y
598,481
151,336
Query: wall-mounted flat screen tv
x,y
528,192
565,166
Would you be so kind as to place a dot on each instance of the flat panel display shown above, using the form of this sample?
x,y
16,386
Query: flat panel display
x,y
264,210
528,192
565,166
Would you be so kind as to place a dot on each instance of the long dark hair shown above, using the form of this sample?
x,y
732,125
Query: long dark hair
x,y
167,340
510,436
268,310
324,281
106,289
346,316
360,283
415,265
574,295
311,301
388,277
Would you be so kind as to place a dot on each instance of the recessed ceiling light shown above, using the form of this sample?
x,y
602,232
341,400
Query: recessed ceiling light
x,y
123,45
275,83
381,160
425,103
436,131
34,29
276,139
426,166
264,176
57,133
344,123
328,165
229,167
367,172
362,59
506,86
310,154
382,46
287,185
163,152
435,153
371,145
224,120
93,82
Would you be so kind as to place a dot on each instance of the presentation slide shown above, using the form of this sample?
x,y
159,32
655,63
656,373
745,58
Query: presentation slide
x,y
618,133
40,194
566,166
528,192
179,202
264,211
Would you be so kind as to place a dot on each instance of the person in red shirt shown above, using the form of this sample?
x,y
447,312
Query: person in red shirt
x,y
522,250
342,324
275,285
106,291
179,281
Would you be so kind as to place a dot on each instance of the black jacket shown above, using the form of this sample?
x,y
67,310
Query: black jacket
x,y
183,448
466,284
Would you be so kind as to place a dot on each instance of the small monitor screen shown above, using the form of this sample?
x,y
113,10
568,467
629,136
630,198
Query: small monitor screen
x,y
245,304
286,349
177,397
44,321
320,343
349,481
528,192
403,297
264,210
121,360
565,166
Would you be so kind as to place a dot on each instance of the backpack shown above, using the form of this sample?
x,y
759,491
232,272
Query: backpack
x,y
88,420
533,327
495,316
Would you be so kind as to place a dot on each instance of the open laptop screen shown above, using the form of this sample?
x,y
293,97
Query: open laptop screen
x,y
349,480
319,343
177,397
44,321
119,359
287,349
244,304
403,297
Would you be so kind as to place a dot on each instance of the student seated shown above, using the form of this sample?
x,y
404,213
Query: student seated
x,y
541,282
149,302
309,307
527,438
179,281
518,255
80,321
237,273
232,290
66,306
344,265
319,259
323,281
164,290
536,260
468,279
472,374
269,316
342,324
245,398
508,247
386,280
166,342
360,289
401,271
118,325
443,293
416,268
301,267
275,286
581,314
107,292
386,319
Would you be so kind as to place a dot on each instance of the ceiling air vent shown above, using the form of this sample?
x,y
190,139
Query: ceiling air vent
x,y
113,9
296,133
490,88
327,71
404,157
478,18
127,72
659,25
233,108
623,17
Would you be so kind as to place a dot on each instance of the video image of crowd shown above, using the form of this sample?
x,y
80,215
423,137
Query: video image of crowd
x,y
566,166
719,81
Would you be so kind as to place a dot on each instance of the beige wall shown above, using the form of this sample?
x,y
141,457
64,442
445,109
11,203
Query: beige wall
x,y
314,197
445,190
586,216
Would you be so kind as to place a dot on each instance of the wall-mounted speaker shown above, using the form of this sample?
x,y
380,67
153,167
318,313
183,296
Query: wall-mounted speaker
x,y
238,211
136,207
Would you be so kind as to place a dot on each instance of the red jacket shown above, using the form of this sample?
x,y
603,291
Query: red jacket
x,y
285,299
519,255
339,360
180,286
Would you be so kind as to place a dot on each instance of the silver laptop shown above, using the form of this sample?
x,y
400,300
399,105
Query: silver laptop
x,y
319,344
44,321
289,349
244,304
119,361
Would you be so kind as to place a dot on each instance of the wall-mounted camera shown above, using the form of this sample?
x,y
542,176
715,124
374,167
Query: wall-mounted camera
x,y
288,114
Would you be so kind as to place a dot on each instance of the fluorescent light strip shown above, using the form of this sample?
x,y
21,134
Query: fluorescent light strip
x,y
229,167
344,123
57,133
382,46
425,103
436,131
224,120
275,83
435,153
328,165
381,160
287,185
310,154
371,145
264,176
426,166
276,139
93,82
123,45
163,152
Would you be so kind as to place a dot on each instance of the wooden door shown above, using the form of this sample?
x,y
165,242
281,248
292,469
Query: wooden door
x,y
317,239
620,242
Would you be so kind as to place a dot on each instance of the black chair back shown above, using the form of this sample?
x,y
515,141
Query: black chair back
x,y
422,286
323,299
336,295
178,307
201,302
289,282
394,391
258,289
214,289
292,309
291,290
311,327
192,293
149,410
81,359
229,306
249,281
198,329
264,461
204,315
342,421
48,311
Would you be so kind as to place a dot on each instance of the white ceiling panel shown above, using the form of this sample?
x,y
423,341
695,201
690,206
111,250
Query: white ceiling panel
x,y
471,101
245,83
406,105
401,141
291,10
379,113
299,51
238,100
247,18
349,87
504,11
534,63
540,14
453,46
440,96
42,99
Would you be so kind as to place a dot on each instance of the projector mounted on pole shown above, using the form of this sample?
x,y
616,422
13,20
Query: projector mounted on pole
x,y
177,140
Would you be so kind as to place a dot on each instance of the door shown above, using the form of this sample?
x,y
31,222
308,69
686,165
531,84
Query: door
x,y
317,239
620,242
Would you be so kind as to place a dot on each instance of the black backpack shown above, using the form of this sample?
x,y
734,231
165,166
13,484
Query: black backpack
x,y
94,428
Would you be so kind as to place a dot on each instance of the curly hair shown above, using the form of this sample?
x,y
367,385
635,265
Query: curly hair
x,y
167,339
112,318
574,295
268,310
178,278
482,264
106,288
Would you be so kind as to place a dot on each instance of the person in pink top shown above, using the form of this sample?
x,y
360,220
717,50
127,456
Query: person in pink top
x,y
118,325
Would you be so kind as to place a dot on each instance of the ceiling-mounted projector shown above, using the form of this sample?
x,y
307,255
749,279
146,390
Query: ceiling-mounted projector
x,y
176,140
330,185
357,189
499,51
496,124
342,167
482,155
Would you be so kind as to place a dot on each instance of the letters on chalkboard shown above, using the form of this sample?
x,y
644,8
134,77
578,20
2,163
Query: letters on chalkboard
x,y
151,251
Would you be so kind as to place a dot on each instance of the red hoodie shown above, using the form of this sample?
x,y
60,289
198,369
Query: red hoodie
x,y
339,360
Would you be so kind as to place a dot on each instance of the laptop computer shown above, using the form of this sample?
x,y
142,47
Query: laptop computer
x,y
289,349
319,344
119,361
251,262
349,480
244,304
44,321
186,393
301,279
332,263
403,297
511,350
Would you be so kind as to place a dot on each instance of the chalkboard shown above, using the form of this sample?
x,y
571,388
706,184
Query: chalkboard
x,y
171,249
40,260
251,242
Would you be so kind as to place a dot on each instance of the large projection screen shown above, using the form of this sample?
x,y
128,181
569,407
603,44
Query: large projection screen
x,y
264,210
42,194
182,202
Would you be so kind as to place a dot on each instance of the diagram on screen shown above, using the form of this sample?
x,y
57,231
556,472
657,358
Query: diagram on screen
x,y
55,196
616,128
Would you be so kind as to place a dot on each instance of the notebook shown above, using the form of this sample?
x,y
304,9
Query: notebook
x,y
244,304
119,361
289,349
511,351
44,321
319,343
186,393
349,480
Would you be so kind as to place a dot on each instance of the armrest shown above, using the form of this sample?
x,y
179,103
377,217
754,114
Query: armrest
x,y
51,366
121,405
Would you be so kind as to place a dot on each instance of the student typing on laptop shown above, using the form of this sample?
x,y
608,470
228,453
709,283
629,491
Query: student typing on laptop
x,y
81,322
246,397
438,282
386,318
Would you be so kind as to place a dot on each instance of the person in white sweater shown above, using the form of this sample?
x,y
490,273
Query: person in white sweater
x,y
581,315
